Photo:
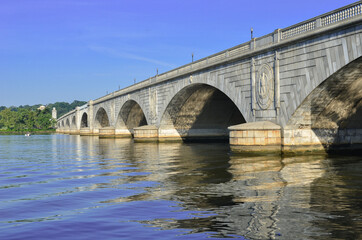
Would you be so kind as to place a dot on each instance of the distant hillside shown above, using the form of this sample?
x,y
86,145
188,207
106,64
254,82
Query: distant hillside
x,y
61,107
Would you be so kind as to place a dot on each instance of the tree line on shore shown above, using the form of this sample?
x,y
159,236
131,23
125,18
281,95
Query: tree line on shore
x,y
30,118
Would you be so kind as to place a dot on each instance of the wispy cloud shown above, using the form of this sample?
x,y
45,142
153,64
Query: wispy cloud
x,y
127,55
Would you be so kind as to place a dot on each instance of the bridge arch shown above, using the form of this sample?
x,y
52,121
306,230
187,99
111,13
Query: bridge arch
x,y
101,119
67,123
331,115
130,116
335,103
84,121
200,109
73,123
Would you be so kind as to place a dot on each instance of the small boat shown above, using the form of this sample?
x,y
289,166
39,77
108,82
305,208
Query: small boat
x,y
27,134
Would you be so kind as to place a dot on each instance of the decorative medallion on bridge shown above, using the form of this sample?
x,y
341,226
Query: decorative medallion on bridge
x,y
265,86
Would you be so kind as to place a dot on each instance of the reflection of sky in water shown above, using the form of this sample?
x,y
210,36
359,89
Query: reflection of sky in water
x,y
187,190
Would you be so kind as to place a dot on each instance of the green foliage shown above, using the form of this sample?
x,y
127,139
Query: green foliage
x,y
7,119
27,118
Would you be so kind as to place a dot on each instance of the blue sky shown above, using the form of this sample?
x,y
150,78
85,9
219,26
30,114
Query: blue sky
x,y
65,50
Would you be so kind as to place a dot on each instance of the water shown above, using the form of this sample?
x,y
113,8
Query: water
x,y
72,187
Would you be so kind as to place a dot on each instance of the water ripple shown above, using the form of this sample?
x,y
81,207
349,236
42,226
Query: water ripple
x,y
72,187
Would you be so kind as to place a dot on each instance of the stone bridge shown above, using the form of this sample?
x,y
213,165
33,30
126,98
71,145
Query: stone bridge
x,y
295,89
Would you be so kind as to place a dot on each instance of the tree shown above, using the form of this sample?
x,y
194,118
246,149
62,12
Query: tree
x,y
26,118
8,119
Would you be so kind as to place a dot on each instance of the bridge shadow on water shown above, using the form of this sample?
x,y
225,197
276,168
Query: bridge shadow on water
x,y
226,195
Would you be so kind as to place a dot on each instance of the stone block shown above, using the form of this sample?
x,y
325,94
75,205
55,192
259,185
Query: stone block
x,y
248,134
342,132
260,141
85,132
273,141
298,133
307,133
247,141
288,141
260,134
236,133
343,140
328,139
234,141
146,133
74,132
315,139
274,134
303,141
356,139
107,131
359,132
233,134
288,133
351,132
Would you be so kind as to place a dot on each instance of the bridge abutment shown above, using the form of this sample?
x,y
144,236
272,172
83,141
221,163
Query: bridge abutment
x,y
311,140
123,133
301,141
107,132
66,131
168,134
267,137
74,132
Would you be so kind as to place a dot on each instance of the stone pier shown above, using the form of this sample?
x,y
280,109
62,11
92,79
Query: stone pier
x,y
111,132
107,132
85,132
256,138
148,133
318,140
267,137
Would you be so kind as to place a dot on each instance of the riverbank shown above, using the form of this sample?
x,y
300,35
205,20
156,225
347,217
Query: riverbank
x,y
33,132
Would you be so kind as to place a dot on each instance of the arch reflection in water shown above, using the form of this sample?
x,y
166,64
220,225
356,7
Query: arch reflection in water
x,y
254,197
204,189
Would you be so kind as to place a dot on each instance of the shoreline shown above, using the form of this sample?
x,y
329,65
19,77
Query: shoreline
x,y
33,132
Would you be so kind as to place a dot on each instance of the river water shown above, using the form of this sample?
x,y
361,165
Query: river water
x,y
75,187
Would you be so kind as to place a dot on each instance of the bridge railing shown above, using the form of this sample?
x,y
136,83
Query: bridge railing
x,y
66,115
335,16
342,14
279,36
299,29
83,106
